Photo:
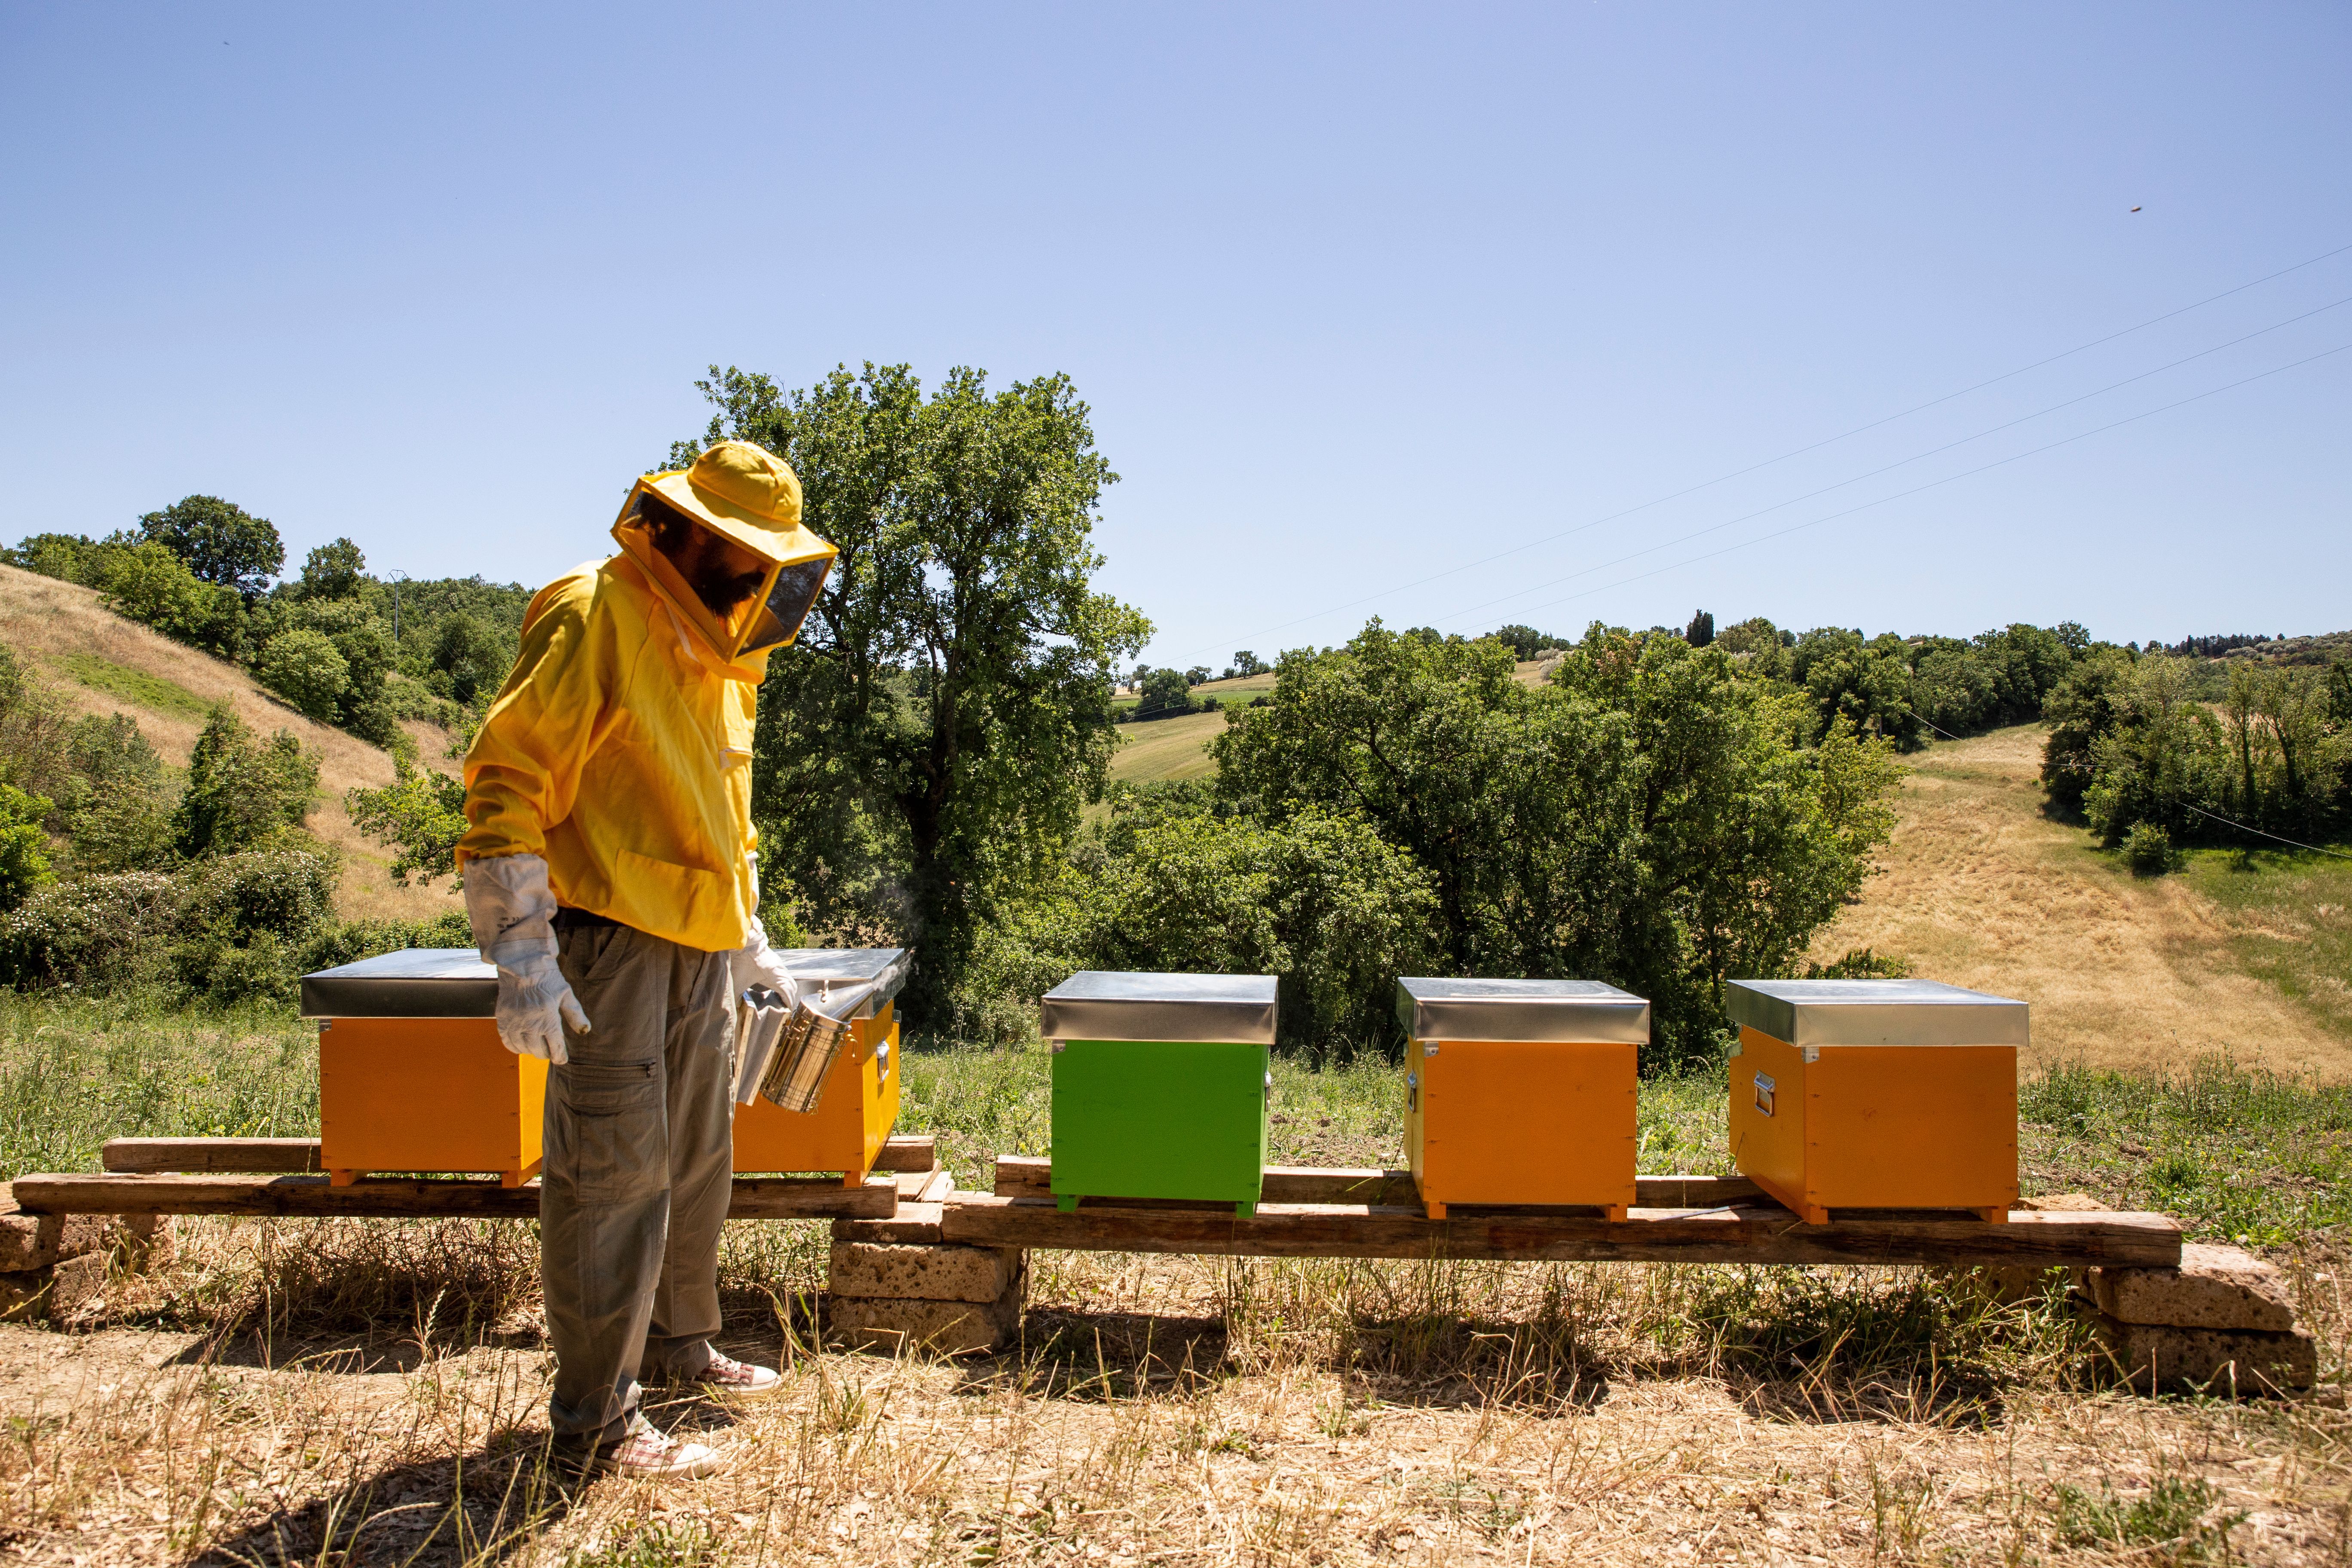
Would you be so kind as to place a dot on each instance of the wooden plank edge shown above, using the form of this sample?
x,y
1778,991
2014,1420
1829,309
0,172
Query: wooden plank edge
x,y
128,1155
1031,1176
908,1152
754,1197
1653,1235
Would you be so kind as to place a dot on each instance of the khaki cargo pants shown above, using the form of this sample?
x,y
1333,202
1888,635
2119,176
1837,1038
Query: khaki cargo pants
x,y
639,1135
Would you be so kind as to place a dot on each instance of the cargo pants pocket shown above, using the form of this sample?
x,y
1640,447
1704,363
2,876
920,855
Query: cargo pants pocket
x,y
608,1142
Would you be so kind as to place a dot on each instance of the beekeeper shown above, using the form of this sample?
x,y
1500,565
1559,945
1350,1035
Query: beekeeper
x,y
610,875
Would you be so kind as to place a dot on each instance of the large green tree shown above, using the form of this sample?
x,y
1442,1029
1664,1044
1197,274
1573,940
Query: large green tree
x,y
928,745
220,541
1648,818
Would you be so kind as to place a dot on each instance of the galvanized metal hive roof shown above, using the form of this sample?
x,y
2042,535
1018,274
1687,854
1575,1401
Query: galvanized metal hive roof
x,y
418,983
1584,1011
1107,1005
832,967
1876,1013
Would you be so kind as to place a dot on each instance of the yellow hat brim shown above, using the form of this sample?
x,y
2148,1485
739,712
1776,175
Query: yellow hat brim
x,y
777,544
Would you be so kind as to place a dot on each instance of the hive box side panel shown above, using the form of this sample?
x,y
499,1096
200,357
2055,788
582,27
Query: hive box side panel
x,y
880,1082
1767,1117
853,1117
1519,1122
1159,1119
1913,1126
530,1109
426,1094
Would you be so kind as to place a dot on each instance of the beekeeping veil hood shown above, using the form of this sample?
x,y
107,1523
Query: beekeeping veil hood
x,y
751,496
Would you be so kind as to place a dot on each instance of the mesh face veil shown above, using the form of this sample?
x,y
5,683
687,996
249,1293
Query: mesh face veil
x,y
779,617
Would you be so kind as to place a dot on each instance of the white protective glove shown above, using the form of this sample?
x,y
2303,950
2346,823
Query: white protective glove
x,y
757,963
512,911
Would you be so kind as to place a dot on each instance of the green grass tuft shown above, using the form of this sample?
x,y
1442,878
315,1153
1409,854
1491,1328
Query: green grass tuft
x,y
2291,918
153,693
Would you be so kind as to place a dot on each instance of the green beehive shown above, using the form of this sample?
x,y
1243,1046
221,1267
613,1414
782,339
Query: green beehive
x,y
1160,1086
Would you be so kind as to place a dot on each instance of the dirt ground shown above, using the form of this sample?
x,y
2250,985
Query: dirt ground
x,y
1982,890
1153,1416
43,616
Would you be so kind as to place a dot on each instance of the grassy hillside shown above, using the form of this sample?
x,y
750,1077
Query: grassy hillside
x,y
1981,888
101,663
1167,749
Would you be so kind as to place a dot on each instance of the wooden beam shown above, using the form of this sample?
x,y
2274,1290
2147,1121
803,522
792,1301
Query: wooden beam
x,y
1696,1192
1647,1235
756,1197
125,1156
908,1152
132,1154
1031,1176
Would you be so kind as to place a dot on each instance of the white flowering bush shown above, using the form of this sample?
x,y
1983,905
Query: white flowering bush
x,y
95,932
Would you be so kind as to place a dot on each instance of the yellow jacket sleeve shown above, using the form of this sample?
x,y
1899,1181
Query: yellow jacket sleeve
x,y
522,772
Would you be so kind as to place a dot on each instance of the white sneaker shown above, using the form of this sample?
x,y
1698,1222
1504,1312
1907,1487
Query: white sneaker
x,y
648,1453
740,1379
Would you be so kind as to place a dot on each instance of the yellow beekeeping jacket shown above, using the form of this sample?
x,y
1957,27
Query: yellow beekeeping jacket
x,y
620,749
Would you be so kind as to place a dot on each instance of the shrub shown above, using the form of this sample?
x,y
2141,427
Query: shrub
x,y
116,813
248,920
356,940
240,793
2147,850
96,933
154,586
303,666
1858,963
420,814
68,557
288,894
24,858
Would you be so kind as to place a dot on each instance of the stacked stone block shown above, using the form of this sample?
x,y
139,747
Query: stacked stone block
x,y
895,1286
2222,1320
54,1266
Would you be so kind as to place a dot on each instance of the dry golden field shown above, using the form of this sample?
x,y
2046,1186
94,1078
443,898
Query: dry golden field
x,y
1980,888
1167,1410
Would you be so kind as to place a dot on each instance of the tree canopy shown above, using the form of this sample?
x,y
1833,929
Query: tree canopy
x,y
220,541
930,739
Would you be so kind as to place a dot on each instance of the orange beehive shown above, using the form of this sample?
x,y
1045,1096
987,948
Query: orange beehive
x,y
1521,1091
1875,1094
860,1102
411,1073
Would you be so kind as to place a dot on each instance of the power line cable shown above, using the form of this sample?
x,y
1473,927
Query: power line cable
x,y
1794,452
1901,462
1915,489
2241,828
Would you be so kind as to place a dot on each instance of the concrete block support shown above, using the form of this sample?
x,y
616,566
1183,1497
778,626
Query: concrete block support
x,y
55,1266
940,1328
895,1287
922,1273
2214,1287
2155,1355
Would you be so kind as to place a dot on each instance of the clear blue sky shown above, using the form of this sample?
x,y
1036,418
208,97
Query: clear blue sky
x,y
1357,293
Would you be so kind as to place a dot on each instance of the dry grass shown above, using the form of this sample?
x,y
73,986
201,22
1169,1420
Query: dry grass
x,y
382,1402
51,620
1981,890
1163,748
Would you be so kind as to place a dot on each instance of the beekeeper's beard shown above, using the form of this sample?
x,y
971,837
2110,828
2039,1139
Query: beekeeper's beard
x,y
714,568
